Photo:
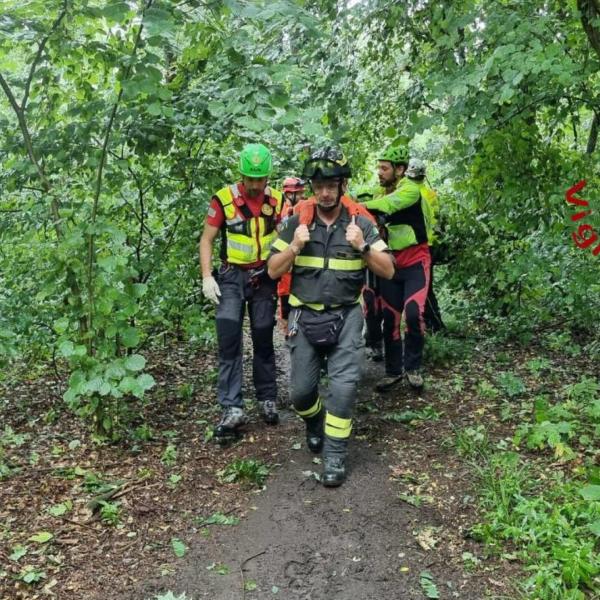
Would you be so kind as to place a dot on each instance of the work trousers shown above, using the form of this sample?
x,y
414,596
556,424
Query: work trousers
x,y
240,289
403,299
433,316
345,362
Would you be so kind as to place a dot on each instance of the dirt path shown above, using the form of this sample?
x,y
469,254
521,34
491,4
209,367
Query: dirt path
x,y
360,541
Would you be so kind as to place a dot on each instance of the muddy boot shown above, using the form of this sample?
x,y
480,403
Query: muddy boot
x,y
415,379
389,382
269,412
334,471
228,428
314,432
334,462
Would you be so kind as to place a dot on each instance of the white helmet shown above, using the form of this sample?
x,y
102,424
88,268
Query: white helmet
x,y
415,169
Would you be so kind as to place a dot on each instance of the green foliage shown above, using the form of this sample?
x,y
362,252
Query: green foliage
x,y
552,525
217,519
428,585
9,439
31,575
179,548
558,425
58,510
18,552
428,413
471,442
41,537
245,470
511,384
169,455
441,349
219,568
486,390
143,433
171,596
174,480
110,513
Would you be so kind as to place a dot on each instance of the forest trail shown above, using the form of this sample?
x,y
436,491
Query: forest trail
x,y
358,542
403,526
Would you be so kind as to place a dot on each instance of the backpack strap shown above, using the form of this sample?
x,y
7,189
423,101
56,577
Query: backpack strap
x,y
355,209
305,209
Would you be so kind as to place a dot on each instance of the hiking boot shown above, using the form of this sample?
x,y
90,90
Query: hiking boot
x,y
334,471
269,412
375,353
415,379
232,419
388,382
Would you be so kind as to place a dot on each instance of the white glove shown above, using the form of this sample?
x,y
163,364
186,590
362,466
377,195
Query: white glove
x,y
210,288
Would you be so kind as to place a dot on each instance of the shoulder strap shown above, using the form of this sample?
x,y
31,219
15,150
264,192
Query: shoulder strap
x,y
356,209
238,200
305,209
224,196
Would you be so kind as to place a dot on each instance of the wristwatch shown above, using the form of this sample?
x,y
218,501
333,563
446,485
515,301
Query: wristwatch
x,y
364,248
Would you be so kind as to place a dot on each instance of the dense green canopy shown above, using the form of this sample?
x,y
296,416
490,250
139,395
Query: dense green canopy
x,y
120,118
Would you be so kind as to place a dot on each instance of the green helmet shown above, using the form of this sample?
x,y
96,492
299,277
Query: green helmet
x,y
395,154
255,161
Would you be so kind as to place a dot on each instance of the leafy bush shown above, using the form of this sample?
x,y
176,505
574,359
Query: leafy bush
x,y
511,384
552,527
557,425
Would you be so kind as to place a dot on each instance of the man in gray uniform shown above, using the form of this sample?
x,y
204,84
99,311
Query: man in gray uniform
x,y
327,244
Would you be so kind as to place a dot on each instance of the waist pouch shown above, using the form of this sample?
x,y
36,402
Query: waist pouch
x,y
322,328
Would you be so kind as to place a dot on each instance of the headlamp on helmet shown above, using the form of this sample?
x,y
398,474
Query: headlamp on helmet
x,y
328,162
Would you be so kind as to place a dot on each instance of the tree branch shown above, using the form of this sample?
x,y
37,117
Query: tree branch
x,y
30,152
98,187
38,54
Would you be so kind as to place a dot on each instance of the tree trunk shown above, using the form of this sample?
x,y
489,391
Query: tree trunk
x,y
590,10
593,138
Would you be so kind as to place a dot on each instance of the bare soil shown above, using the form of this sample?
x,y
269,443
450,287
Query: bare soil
x,y
404,513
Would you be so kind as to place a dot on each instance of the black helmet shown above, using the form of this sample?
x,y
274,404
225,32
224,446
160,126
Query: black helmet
x,y
328,162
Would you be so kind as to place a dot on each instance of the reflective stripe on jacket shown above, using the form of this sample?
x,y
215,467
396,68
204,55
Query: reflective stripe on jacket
x,y
328,271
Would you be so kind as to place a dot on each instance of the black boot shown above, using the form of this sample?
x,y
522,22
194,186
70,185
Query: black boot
x,y
314,432
334,471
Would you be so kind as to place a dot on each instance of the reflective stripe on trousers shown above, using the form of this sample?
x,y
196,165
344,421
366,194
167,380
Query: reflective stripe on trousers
x,y
345,363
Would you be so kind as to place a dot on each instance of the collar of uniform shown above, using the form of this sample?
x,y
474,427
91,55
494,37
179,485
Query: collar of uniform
x,y
343,219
